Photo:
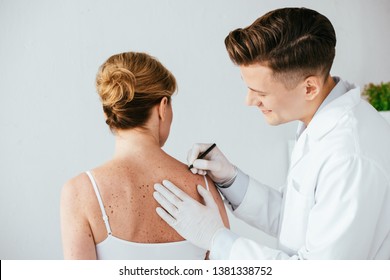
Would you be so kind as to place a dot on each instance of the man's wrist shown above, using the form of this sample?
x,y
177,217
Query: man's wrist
x,y
236,192
229,182
222,243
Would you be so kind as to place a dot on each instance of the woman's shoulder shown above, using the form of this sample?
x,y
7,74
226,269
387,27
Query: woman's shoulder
x,y
82,181
178,173
188,182
76,188
77,181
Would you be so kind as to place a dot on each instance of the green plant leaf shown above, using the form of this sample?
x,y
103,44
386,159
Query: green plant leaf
x,y
378,95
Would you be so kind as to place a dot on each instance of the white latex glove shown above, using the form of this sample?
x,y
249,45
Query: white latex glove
x,y
215,164
192,220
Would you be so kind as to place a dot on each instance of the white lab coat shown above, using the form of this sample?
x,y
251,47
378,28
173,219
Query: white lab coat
x,y
336,203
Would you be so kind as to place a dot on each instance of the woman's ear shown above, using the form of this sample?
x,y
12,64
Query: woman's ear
x,y
313,87
162,108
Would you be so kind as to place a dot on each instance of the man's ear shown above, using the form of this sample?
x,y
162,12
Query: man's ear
x,y
162,108
313,87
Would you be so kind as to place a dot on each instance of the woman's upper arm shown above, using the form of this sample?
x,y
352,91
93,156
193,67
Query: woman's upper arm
x,y
218,199
77,238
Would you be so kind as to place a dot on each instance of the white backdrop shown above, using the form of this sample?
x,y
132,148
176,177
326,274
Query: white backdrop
x,y
51,121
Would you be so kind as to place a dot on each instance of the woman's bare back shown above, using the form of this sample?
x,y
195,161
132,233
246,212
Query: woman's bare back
x,y
126,188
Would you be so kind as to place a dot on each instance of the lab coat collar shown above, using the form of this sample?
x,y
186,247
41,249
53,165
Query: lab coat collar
x,y
341,99
336,92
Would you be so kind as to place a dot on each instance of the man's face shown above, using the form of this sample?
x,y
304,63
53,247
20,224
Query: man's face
x,y
277,103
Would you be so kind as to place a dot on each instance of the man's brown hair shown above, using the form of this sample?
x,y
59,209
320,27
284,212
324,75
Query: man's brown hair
x,y
293,42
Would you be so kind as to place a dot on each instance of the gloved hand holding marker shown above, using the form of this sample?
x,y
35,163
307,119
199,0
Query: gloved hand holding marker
x,y
205,159
194,221
202,155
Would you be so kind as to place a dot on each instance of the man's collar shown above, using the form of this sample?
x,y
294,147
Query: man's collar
x,y
322,122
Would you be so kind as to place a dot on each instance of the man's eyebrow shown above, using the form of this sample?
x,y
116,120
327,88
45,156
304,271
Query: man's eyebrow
x,y
255,90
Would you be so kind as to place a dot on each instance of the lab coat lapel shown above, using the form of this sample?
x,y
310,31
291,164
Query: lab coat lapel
x,y
300,149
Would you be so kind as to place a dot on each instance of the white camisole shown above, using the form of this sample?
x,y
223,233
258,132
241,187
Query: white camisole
x,y
114,248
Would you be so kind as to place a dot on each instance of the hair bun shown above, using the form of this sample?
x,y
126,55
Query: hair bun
x,y
130,84
116,86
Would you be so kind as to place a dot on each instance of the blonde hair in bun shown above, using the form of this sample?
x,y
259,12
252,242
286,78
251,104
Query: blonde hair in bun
x,y
116,85
129,85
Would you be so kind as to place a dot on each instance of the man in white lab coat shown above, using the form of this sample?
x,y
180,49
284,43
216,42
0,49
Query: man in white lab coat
x,y
336,202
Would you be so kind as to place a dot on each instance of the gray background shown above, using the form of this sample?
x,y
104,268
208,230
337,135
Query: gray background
x,y
51,121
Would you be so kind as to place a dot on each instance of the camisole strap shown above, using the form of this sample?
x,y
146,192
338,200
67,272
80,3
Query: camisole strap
x,y
104,214
206,182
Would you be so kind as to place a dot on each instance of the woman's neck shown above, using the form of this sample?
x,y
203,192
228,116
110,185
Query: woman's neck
x,y
134,142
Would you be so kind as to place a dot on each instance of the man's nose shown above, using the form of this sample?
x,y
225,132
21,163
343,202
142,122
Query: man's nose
x,y
252,99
